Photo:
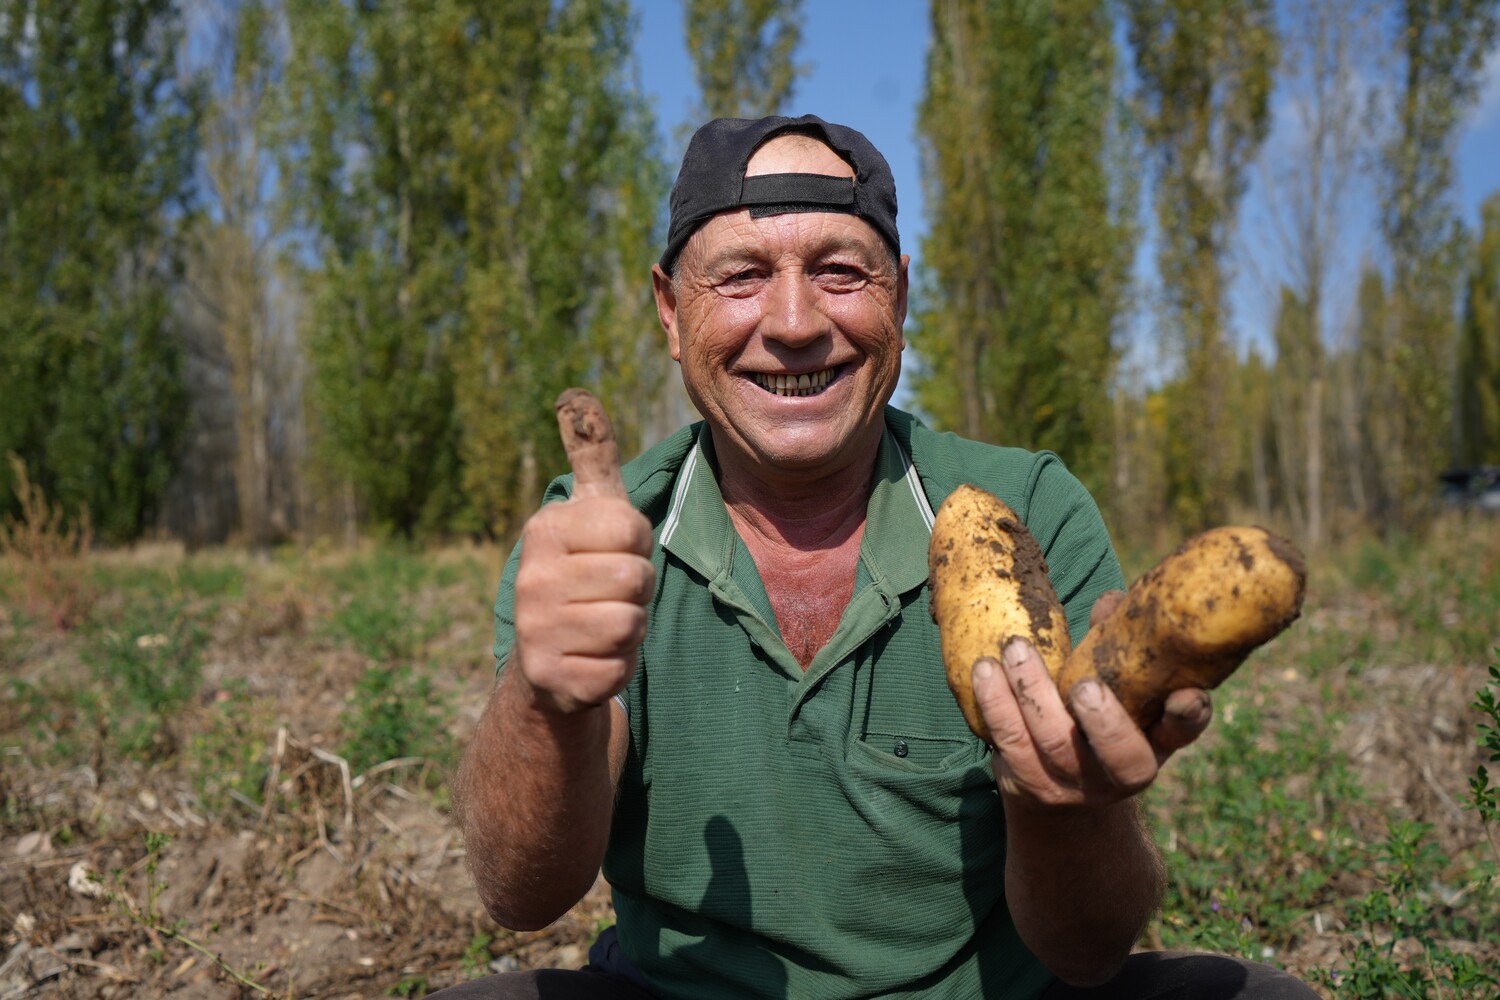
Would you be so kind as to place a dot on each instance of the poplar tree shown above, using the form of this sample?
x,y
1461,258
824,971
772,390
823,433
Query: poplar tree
x,y
484,187
1205,70
1370,427
1295,414
97,139
1310,187
562,184
1442,46
364,141
233,266
1026,258
742,54
1479,347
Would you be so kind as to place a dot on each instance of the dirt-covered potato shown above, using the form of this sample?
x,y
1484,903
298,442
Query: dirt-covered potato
x,y
1189,622
989,585
1192,620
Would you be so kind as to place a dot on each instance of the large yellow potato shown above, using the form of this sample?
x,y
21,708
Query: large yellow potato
x,y
1192,620
989,585
1189,622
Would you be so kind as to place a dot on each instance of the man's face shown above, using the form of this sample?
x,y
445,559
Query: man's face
x,y
788,328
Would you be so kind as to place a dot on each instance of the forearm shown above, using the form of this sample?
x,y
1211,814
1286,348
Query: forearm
x,y
535,797
1081,886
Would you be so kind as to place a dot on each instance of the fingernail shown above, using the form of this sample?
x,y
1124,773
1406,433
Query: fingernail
x,y
1200,711
1015,653
984,670
1088,696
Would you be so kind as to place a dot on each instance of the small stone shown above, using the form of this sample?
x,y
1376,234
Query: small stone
x,y
38,842
503,964
84,882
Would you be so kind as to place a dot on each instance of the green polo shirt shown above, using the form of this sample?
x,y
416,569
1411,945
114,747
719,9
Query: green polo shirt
x,y
833,832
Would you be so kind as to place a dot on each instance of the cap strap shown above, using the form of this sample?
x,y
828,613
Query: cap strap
x,y
798,189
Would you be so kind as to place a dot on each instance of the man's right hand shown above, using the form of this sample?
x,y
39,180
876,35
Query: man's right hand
x,y
585,575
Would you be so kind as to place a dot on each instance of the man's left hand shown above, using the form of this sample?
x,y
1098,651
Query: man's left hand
x,y
1091,757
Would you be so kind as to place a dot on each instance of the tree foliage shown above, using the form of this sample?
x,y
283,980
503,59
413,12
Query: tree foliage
x,y
1479,347
1027,253
364,148
742,54
433,215
1442,46
98,138
232,265
1205,71
558,253
480,178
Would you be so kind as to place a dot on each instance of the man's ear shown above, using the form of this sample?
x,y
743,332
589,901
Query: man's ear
x,y
666,308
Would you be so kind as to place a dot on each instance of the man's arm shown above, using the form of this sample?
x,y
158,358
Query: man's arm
x,y
536,788
1082,875
535,794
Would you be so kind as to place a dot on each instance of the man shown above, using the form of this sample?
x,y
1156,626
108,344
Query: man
x,y
727,690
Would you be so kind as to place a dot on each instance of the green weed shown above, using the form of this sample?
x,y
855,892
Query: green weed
x,y
393,713
195,578
227,759
145,914
409,986
1252,833
377,613
1484,798
476,957
146,672
211,578
1401,930
1374,569
1398,945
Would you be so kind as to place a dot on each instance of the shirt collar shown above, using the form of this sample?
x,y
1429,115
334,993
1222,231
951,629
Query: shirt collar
x,y
898,523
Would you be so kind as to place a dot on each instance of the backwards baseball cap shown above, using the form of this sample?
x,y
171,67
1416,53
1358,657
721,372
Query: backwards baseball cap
x,y
712,179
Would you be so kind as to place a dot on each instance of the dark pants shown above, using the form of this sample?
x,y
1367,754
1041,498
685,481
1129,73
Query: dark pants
x,y
1152,975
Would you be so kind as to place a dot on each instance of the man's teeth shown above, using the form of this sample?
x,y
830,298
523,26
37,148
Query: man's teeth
x,y
809,384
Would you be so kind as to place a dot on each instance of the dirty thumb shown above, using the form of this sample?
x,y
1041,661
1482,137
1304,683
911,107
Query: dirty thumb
x,y
589,439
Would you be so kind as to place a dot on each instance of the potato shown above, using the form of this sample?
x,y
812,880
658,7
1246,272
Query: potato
x,y
1192,620
1189,622
989,585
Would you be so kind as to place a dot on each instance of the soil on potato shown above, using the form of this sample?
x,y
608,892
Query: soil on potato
x,y
137,875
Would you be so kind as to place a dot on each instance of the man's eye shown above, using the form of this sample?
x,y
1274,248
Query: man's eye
x,y
842,274
740,281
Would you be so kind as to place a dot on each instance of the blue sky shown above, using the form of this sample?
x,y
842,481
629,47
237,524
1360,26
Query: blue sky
x,y
865,62
866,65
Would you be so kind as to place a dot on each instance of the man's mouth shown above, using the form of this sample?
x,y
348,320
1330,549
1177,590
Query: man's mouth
x,y
806,384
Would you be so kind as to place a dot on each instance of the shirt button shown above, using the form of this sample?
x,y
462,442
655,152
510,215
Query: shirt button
x,y
901,749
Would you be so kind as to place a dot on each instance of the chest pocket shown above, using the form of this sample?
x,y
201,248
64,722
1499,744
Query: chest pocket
x,y
905,716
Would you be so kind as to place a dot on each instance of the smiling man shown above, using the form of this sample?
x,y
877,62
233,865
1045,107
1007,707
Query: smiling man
x,y
727,690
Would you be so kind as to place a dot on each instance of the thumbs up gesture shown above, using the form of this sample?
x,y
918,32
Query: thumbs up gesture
x,y
585,574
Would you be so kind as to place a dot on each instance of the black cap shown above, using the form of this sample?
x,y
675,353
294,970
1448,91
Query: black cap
x,y
712,179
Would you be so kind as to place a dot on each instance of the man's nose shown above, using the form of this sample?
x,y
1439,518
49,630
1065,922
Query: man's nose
x,y
792,315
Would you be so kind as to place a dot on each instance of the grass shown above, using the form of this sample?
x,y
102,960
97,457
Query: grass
x,y
1273,835
1255,833
307,705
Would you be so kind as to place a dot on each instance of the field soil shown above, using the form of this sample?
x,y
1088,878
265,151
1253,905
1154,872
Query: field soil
x,y
231,842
